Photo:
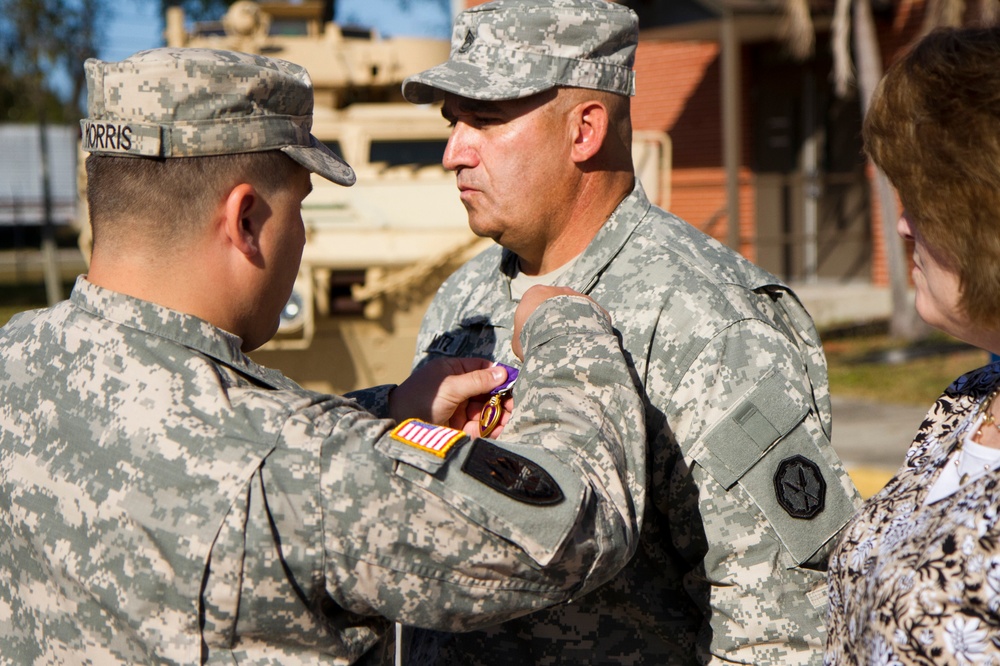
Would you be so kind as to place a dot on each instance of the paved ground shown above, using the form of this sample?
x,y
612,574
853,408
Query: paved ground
x,y
872,438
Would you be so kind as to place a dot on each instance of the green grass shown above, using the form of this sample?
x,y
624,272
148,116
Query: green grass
x,y
917,381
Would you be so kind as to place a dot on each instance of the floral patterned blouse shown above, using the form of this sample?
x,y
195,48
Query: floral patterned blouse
x,y
916,583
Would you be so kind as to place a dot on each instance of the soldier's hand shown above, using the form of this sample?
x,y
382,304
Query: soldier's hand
x,y
532,298
447,391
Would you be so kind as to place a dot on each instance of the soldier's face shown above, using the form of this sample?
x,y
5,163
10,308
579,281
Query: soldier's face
x,y
513,168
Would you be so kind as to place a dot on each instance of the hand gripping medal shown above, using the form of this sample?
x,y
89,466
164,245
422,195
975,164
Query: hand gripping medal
x,y
490,418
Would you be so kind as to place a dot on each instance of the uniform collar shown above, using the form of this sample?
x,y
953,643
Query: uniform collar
x,y
183,329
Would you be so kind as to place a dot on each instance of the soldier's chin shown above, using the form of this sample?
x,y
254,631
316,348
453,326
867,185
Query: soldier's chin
x,y
487,234
253,343
482,232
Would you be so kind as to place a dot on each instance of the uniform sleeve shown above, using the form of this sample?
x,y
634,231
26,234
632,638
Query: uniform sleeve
x,y
759,495
374,400
492,529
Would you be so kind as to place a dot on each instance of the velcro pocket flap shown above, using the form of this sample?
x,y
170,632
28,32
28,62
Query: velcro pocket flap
x,y
761,446
749,429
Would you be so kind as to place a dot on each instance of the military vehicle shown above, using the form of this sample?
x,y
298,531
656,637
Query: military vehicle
x,y
375,252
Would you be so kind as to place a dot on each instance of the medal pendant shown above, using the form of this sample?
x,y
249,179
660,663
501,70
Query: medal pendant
x,y
490,418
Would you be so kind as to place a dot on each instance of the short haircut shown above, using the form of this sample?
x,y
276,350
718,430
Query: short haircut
x,y
157,202
619,111
620,115
934,129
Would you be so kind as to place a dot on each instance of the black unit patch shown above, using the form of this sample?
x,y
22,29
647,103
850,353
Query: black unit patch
x,y
800,487
511,474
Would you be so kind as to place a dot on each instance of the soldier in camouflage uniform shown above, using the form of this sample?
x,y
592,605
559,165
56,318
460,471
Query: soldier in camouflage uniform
x,y
163,499
744,493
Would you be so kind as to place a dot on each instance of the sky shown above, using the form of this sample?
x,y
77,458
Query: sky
x,y
137,24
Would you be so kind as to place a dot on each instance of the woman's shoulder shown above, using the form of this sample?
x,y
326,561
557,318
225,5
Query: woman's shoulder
x,y
976,383
951,412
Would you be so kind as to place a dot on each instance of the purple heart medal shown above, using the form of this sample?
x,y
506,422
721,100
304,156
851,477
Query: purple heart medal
x,y
490,418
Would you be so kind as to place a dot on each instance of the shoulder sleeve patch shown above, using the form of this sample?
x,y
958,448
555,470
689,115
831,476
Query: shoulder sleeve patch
x,y
800,487
801,494
434,439
496,489
511,474
765,446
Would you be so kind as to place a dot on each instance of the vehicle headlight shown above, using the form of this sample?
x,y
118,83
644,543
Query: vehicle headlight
x,y
293,315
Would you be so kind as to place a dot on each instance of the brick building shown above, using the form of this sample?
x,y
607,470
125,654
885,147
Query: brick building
x,y
806,204
807,210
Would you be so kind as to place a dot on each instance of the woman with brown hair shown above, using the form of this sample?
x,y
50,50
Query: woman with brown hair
x,y
916,577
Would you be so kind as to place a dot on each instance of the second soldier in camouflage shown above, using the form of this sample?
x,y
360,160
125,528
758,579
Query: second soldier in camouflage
x,y
744,494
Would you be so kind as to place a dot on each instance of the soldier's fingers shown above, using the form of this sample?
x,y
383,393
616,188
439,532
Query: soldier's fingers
x,y
476,383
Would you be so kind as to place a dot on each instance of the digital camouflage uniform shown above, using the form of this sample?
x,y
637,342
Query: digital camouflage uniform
x,y
163,499
744,492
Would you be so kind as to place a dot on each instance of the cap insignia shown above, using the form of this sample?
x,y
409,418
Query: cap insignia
x,y
470,37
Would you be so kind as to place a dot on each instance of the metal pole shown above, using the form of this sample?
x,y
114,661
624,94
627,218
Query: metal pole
x,y
904,323
810,181
729,44
50,261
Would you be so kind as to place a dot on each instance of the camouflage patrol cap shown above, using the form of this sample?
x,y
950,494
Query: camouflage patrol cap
x,y
181,102
510,49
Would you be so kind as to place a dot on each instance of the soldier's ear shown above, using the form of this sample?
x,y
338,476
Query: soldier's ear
x,y
590,128
243,215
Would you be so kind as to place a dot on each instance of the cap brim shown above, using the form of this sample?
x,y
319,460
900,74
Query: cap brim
x,y
468,80
322,161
